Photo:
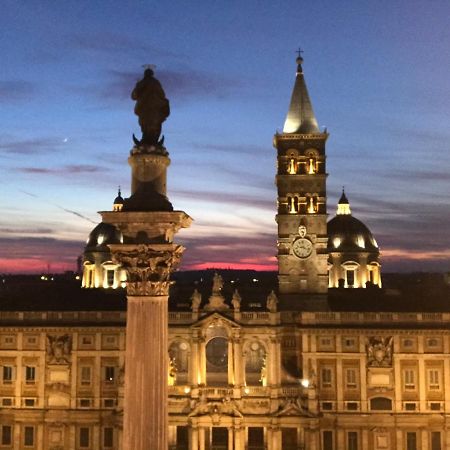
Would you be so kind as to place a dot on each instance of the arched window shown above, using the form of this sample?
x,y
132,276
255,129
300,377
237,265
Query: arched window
x,y
179,361
311,205
217,361
293,204
292,166
255,364
311,166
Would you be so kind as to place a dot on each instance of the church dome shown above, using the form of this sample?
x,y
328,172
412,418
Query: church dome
x,y
102,235
348,234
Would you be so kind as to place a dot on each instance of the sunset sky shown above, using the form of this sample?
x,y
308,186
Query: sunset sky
x,y
378,77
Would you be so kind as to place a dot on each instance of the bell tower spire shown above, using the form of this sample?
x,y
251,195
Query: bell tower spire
x,y
302,209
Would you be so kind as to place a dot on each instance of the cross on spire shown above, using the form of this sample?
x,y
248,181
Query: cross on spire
x,y
300,51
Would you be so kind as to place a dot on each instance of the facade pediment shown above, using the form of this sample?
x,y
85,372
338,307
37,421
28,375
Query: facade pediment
x,y
215,319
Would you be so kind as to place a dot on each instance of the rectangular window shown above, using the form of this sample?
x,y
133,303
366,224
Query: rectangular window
x,y
409,379
7,374
327,437
84,437
350,378
28,436
435,440
6,435
29,402
30,374
86,340
411,441
109,374
109,403
433,379
110,277
326,377
85,375
350,277
108,437
85,402
352,440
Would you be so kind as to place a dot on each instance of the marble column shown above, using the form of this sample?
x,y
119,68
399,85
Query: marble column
x,y
230,438
193,441
230,365
239,441
238,369
148,267
201,437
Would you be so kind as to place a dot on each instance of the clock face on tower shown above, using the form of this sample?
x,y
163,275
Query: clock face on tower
x,y
302,248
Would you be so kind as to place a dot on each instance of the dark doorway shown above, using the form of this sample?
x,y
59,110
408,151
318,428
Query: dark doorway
x,y
219,439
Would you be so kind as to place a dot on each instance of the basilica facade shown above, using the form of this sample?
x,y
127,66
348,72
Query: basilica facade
x,y
325,359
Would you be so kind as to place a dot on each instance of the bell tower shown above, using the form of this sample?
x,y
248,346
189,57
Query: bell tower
x,y
302,209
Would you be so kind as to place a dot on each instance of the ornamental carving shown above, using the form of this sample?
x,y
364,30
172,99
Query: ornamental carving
x,y
59,349
226,407
379,351
148,269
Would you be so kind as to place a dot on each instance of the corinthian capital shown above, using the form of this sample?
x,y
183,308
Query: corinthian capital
x,y
148,266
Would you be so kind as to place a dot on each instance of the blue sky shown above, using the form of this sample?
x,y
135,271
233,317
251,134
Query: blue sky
x,y
377,74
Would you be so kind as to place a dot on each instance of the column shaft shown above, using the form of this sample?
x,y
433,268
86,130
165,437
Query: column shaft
x,y
145,408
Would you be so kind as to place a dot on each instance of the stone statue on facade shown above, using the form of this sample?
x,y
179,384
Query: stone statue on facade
x,y
379,351
217,300
196,300
263,377
272,302
172,371
217,284
152,109
236,301
59,349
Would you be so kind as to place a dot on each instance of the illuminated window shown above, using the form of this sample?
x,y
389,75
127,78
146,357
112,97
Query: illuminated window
x,y
30,374
292,167
28,436
90,277
409,379
6,438
312,205
293,205
433,379
312,166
